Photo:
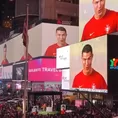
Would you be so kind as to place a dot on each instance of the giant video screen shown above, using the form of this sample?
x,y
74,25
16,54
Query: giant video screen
x,y
19,71
88,65
44,69
97,18
113,63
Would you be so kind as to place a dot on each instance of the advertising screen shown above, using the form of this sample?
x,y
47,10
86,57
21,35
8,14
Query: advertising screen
x,y
7,72
88,65
56,36
113,64
43,69
19,71
63,57
97,18
43,41
65,79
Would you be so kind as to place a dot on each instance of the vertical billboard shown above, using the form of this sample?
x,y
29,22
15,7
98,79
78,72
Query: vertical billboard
x,y
43,69
113,63
97,18
66,79
63,57
7,72
88,65
19,71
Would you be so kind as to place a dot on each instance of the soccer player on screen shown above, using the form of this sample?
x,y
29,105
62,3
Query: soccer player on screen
x,y
103,22
5,61
88,77
61,35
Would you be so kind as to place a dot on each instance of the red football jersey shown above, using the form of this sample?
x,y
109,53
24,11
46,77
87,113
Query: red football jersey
x,y
98,27
87,81
51,50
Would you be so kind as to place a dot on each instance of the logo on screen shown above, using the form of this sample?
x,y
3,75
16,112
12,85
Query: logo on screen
x,y
114,64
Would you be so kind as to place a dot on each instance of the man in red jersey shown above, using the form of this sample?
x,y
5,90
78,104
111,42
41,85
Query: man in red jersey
x,y
88,77
103,22
61,35
5,61
24,56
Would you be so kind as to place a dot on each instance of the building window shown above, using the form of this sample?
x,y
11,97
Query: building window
x,y
70,1
67,20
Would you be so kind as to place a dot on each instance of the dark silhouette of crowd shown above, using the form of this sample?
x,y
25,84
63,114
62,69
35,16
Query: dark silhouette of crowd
x,y
13,109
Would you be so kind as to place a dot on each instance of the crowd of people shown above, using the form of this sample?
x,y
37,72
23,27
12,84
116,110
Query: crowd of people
x,y
13,109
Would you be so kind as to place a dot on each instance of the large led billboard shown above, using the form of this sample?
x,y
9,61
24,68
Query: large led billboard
x,y
43,69
97,18
19,71
113,63
41,39
88,65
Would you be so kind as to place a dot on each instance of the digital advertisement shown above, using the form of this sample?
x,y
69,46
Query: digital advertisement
x,y
66,79
19,71
88,65
44,39
97,18
43,69
113,64
63,58
7,72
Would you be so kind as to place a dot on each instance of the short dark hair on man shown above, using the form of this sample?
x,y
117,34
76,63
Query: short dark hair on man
x,y
5,46
61,29
87,48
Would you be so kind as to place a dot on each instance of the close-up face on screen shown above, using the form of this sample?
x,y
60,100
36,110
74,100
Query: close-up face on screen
x,y
88,65
97,18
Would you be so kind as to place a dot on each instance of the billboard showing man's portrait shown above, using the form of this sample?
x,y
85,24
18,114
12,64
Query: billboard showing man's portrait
x,y
88,65
97,18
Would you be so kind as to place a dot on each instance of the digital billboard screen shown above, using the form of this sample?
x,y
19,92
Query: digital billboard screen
x,y
95,21
19,71
43,69
113,63
88,65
